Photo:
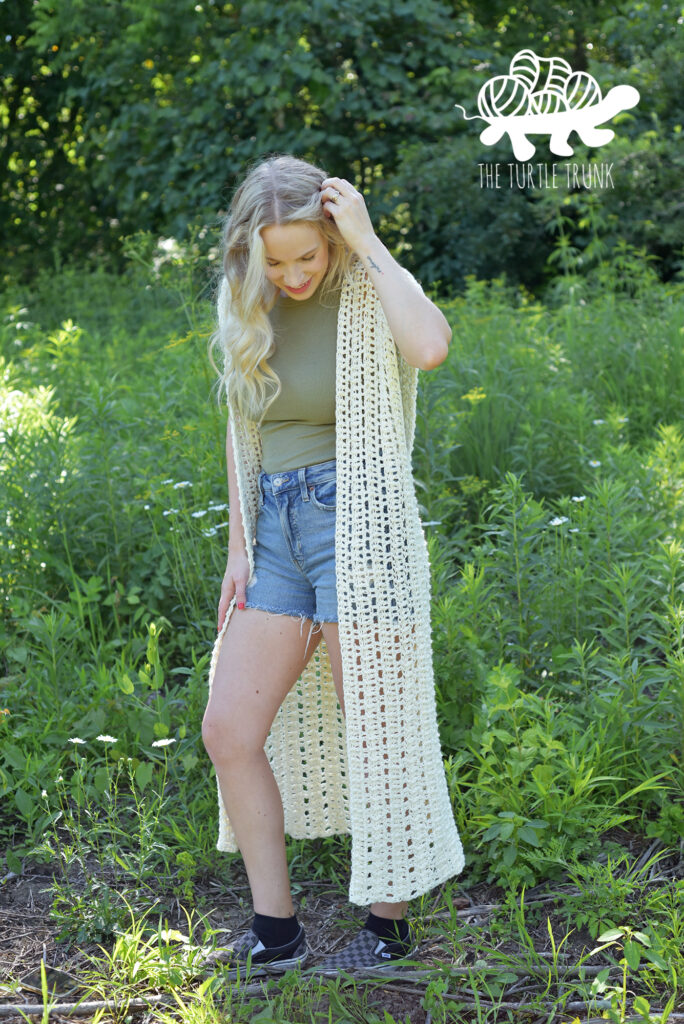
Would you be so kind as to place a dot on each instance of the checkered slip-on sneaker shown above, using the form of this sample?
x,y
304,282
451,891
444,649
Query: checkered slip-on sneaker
x,y
367,951
248,956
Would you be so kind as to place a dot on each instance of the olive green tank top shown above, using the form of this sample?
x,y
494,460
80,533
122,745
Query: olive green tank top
x,y
299,426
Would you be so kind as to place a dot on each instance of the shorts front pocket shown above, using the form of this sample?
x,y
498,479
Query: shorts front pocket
x,y
324,495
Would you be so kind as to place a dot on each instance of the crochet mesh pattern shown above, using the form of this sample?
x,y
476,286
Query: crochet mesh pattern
x,y
379,775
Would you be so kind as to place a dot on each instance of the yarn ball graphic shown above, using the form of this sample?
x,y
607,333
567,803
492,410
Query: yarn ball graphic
x,y
537,85
503,96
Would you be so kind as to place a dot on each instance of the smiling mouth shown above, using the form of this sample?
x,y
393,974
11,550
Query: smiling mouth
x,y
297,291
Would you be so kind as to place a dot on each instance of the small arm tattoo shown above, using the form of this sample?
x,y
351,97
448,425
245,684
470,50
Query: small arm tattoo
x,y
374,265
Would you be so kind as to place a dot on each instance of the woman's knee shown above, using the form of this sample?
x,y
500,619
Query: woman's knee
x,y
226,739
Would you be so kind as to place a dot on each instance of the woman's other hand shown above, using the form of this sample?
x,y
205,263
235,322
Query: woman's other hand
x,y
234,583
347,207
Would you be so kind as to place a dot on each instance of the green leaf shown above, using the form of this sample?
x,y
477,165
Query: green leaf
x,y
13,862
24,802
509,855
529,835
611,936
656,959
18,652
144,773
14,755
632,954
645,786
126,684
101,779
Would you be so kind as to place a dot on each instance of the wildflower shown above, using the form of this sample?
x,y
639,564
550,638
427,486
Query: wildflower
x,y
594,463
169,481
4,711
170,512
146,506
44,794
623,419
579,497
182,483
77,739
163,743
104,738
558,521
574,529
213,530
198,515
217,508
597,423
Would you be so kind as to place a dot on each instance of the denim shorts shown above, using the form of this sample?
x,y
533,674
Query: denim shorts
x,y
294,554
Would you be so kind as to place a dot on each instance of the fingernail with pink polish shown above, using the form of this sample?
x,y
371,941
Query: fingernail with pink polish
x,y
241,605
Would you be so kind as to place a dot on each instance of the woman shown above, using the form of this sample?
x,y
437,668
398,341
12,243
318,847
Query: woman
x,y
324,533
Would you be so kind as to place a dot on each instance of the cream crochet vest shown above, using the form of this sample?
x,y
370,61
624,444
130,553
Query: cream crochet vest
x,y
379,774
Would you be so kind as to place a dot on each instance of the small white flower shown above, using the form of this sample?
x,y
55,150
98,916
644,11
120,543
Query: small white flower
x,y
104,738
623,419
163,743
574,529
44,794
213,530
76,739
594,463
60,778
579,497
217,508
182,483
168,245
198,515
146,506
170,512
169,481
558,521
597,423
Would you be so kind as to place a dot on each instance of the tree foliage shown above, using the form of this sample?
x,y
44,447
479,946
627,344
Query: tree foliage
x,y
142,114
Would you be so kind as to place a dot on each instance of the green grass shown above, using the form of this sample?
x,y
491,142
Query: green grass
x,y
549,466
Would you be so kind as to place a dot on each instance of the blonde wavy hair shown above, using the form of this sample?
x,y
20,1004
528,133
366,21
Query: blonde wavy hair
x,y
278,190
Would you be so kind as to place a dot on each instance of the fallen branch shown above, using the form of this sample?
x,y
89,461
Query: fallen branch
x,y
464,972
78,1009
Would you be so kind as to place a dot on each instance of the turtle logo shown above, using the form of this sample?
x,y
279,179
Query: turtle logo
x,y
544,96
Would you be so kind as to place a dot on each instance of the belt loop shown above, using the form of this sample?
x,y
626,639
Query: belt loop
x,y
303,489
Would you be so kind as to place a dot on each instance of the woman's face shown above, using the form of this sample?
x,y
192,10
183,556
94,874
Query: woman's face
x,y
296,257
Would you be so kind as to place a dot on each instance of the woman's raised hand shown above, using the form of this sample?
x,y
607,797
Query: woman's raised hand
x,y
347,207
234,583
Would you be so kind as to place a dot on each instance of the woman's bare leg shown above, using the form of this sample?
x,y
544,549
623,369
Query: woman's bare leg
x,y
261,657
394,911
